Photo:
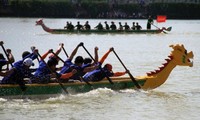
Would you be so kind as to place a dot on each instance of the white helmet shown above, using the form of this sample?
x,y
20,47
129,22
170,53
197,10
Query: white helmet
x,y
28,62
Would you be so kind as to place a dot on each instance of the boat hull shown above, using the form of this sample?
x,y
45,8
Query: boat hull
x,y
64,31
53,89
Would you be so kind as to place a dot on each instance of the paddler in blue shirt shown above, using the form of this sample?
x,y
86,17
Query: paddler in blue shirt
x,y
78,65
44,73
21,70
100,73
88,61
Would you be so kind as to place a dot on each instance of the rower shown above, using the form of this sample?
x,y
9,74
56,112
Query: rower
x,y
99,26
3,62
47,71
149,22
106,26
87,26
126,26
67,25
21,69
133,26
120,26
77,65
100,73
113,26
79,26
138,27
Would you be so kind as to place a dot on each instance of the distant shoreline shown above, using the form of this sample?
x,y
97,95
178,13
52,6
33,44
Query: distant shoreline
x,y
65,9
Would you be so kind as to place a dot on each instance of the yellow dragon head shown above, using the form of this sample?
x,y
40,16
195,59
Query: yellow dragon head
x,y
181,56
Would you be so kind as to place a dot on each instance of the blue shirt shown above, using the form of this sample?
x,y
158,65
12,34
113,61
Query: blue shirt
x,y
18,75
20,72
69,66
42,74
66,67
98,74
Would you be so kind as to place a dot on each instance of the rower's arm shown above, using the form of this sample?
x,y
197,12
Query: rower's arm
x,y
68,75
75,51
45,54
58,50
117,74
105,55
96,56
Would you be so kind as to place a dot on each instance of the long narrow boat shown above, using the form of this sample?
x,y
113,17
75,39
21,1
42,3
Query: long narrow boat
x,y
65,31
152,80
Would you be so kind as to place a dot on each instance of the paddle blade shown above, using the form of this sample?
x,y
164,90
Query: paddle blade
x,y
169,29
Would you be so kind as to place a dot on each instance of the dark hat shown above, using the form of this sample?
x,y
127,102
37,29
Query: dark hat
x,y
87,60
25,53
1,56
52,61
108,66
79,59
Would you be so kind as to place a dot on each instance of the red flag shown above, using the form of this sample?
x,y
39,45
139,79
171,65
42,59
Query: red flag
x,y
161,18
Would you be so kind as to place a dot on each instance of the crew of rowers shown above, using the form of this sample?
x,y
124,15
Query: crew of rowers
x,y
81,70
86,26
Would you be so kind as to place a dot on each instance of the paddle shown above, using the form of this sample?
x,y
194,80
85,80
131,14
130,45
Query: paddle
x,y
96,62
68,66
57,80
65,51
32,49
1,43
132,78
168,29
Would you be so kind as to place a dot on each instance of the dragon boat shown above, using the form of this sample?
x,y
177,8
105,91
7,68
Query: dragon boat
x,y
178,57
65,31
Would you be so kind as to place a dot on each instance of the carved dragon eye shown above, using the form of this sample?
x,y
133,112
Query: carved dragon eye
x,y
186,52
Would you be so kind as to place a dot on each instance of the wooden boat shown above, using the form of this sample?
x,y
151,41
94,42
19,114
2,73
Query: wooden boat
x,y
65,31
152,80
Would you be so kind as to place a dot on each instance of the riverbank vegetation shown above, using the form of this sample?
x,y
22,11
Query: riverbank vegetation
x,y
95,9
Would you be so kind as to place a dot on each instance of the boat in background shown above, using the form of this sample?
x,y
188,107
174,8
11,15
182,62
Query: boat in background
x,y
178,57
65,31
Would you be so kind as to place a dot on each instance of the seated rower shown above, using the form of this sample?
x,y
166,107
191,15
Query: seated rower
x,y
106,26
113,26
46,71
133,26
120,26
100,73
79,26
3,62
71,26
78,65
138,27
99,26
126,26
87,26
67,26
88,61
21,70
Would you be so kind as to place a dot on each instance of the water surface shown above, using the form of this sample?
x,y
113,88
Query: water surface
x,y
178,98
